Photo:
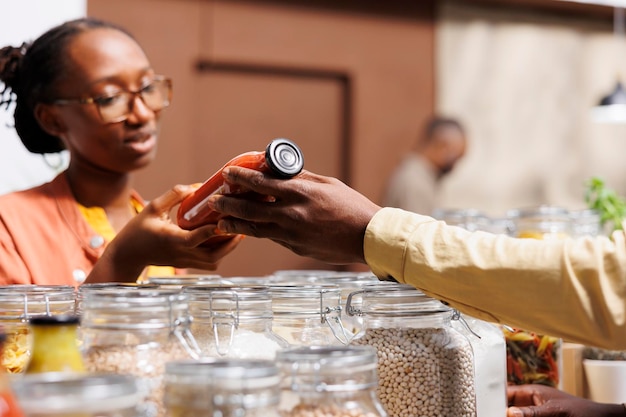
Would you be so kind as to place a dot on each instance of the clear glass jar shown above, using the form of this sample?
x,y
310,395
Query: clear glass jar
x,y
136,332
329,381
306,315
489,348
222,388
425,366
585,222
233,321
470,219
534,358
18,304
78,395
84,288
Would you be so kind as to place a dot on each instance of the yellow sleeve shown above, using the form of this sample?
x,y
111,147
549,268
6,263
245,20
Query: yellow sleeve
x,y
572,288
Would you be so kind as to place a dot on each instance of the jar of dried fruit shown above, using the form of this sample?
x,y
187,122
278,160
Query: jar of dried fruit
x,y
329,381
224,387
136,332
20,303
233,321
425,366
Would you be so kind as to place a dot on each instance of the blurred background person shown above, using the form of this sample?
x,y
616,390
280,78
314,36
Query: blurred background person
x,y
414,184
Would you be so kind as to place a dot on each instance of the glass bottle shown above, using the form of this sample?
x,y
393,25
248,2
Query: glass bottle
x,y
306,315
222,388
534,358
231,321
281,158
329,381
425,366
20,303
55,345
78,395
136,332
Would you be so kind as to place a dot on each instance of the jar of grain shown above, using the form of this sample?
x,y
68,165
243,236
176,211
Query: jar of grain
x,y
535,358
425,366
329,381
136,332
230,321
84,395
308,314
20,303
224,388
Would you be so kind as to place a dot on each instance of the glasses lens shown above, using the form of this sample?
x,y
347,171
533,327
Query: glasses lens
x,y
113,108
156,95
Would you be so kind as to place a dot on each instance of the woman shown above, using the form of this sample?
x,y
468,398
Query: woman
x,y
88,87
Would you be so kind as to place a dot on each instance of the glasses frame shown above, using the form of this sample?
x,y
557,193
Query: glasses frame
x,y
93,100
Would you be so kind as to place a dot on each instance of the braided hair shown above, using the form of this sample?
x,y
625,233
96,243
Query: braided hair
x,y
29,74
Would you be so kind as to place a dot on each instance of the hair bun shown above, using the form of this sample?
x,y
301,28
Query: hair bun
x,y
10,59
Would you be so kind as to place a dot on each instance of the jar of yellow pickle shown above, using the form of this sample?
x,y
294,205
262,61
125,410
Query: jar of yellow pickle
x,y
20,303
533,358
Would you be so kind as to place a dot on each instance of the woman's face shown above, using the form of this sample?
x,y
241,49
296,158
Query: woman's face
x,y
102,62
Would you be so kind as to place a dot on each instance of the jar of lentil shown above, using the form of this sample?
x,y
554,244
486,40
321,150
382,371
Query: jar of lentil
x,y
136,332
224,388
425,366
329,381
20,303
230,321
310,314
535,358
84,395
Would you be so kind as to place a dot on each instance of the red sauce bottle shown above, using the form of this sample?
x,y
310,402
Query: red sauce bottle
x,y
281,158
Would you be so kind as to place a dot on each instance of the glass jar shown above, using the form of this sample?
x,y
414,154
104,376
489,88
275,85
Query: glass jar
x,y
77,395
233,321
222,388
10,407
136,332
470,219
55,345
310,314
425,366
585,222
122,286
489,348
329,381
18,304
533,358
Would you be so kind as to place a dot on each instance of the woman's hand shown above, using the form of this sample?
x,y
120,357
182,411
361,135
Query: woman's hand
x,y
543,401
152,238
312,215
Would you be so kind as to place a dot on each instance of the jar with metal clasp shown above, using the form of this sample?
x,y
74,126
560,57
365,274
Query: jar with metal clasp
x,y
306,315
536,358
425,366
329,381
222,388
231,321
20,303
78,395
136,332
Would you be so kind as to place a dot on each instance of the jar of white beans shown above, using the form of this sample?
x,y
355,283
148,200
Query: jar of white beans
x,y
425,366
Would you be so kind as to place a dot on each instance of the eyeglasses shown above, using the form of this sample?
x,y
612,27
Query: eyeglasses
x,y
117,107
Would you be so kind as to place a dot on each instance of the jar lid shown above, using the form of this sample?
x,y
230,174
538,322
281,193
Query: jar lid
x,y
61,320
393,300
21,302
228,373
305,299
238,301
64,393
183,280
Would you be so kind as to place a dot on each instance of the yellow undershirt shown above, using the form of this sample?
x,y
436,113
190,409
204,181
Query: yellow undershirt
x,y
97,218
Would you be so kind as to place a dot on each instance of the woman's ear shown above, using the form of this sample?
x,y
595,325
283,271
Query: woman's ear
x,y
49,120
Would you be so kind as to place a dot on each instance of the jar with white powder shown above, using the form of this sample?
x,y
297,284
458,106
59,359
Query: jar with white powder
x,y
329,381
233,321
425,366
136,332
309,314
222,387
